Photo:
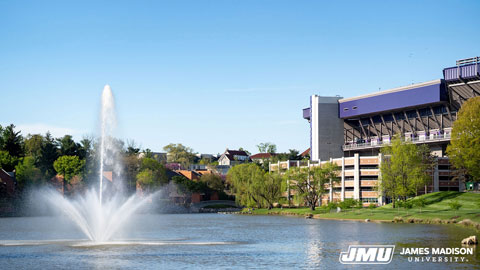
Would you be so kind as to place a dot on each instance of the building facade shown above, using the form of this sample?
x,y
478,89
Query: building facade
x,y
351,131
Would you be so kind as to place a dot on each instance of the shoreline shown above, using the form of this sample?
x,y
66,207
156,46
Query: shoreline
x,y
466,223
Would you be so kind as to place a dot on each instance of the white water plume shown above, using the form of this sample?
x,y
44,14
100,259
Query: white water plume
x,y
99,217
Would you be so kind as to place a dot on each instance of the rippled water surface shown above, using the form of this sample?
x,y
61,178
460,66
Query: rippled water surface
x,y
216,241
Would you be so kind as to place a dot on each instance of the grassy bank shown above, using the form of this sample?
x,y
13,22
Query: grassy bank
x,y
436,210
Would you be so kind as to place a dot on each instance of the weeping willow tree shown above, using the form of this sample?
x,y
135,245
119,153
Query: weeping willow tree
x,y
253,187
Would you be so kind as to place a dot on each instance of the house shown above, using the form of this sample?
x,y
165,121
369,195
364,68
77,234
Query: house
x,y
7,183
233,157
261,157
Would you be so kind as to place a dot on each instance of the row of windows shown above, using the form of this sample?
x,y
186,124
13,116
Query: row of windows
x,y
370,200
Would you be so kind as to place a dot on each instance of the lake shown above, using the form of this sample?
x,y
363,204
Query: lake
x,y
217,241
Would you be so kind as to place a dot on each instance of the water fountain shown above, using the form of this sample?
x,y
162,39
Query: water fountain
x,y
99,217
102,212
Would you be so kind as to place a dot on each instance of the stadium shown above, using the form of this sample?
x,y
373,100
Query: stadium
x,y
351,131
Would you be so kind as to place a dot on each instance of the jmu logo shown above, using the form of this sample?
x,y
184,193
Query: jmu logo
x,y
368,254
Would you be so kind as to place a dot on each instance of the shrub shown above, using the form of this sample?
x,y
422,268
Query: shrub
x,y
398,219
331,205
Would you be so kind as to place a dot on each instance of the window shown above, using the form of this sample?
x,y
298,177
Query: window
x,y
345,109
370,200
443,167
355,107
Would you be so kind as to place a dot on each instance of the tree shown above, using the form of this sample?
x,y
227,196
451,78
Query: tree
x,y
243,180
267,147
464,148
293,154
33,147
179,153
152,174
148,153
455,205
27,174
12,141
402,169
86,148
68,167
132,148
420,202
49,153
213,181
253,187
271,188
68,147
7,162
132,167
311,182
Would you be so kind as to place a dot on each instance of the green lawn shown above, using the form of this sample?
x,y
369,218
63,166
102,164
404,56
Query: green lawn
x,y
437,208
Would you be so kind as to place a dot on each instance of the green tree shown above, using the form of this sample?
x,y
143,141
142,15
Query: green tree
x,y
271,188
148,153
420,202
85,149
243,180
403,170
152,174
267,147
179,153
33,147
187,186
311,182
455,205
213,181
7,162
68,147
27,174
132,167
12,141
49,153
132,148
464,148
68,167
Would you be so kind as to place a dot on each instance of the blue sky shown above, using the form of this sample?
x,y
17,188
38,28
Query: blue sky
x,y
216,74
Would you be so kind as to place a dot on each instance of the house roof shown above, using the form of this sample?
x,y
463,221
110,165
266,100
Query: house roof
x,y
192,175
231,153
262,155
306,152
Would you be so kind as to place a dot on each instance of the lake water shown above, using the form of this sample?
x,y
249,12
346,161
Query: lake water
x,y
217,241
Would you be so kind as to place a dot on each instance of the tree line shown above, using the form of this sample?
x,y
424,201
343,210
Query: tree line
x,y
254,187
37,158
